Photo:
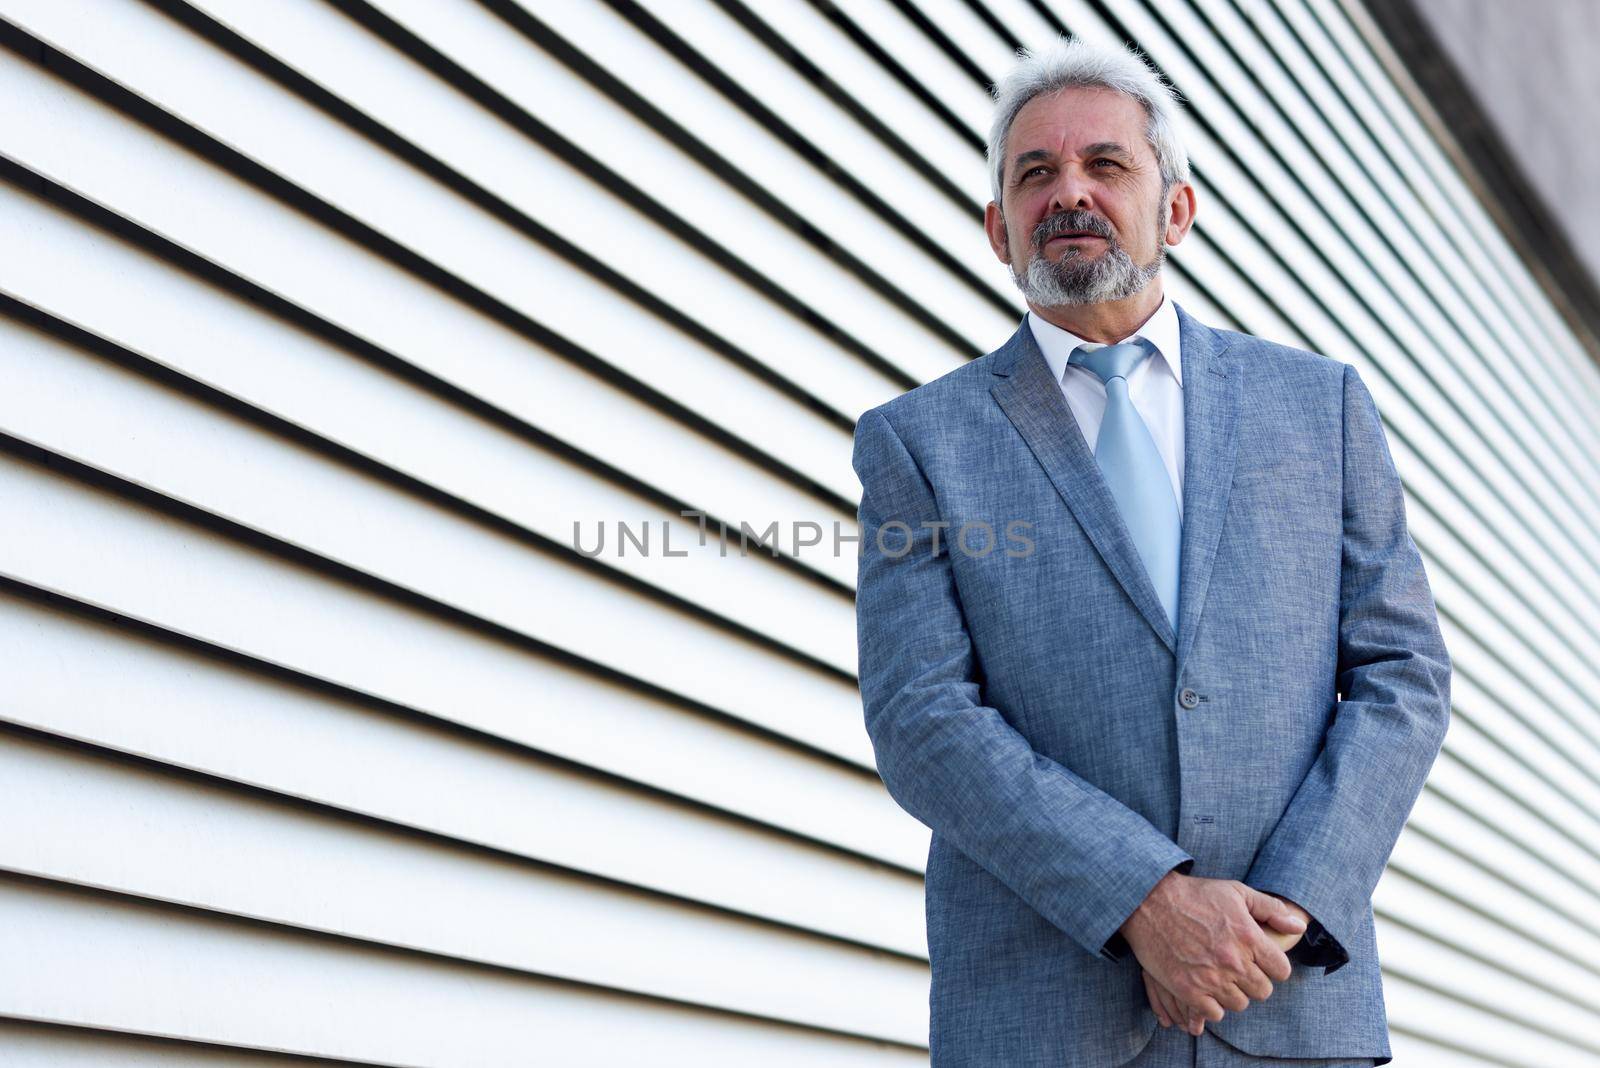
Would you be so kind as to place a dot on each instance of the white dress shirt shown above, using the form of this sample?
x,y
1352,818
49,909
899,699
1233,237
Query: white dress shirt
x,y
1155,386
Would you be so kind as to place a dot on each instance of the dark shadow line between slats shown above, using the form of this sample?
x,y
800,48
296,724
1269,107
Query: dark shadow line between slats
x,y
981,12
248,1055
1509,666
1467,547
330,690
912,14
464,81
1556,667
840,20
364,236
748,103
351,344
412,486
1554,748
1481,597
335,813
331,570
1586,335
863,116
1560,291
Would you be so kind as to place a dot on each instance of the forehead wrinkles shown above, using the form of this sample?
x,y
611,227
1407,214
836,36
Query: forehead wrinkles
x,y
1079,116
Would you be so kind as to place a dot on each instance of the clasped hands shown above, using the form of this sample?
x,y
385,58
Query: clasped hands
x,y
1209,945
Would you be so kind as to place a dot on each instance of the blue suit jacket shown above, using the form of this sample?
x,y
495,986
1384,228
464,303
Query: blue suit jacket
x,y
1037,711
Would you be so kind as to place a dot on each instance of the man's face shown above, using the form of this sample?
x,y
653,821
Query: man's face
x,y
1077,161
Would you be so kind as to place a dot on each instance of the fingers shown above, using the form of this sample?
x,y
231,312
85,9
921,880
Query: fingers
x,y
1206,1009
1158,1003
1232,997
1285,941
1269,910
1270,957
1171,1009
1176,1012
1255,984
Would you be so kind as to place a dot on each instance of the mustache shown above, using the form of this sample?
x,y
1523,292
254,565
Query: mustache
x,y
1069,222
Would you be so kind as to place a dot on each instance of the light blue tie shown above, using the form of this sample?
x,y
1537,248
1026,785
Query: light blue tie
x,y
1133,468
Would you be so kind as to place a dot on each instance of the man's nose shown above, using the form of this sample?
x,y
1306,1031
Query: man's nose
x,y
1072,191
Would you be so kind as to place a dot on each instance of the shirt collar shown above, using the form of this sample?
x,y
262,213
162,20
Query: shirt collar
x,y
1161,330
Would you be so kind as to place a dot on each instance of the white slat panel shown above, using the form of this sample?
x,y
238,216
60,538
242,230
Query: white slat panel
x,y
145,696
1494,849
319,627
369,74
75,818
972,35
318,154
72,955
1401,900
1411,1051
35,1045
1429,1014
894,32
64,135
1448,315
120,293
299,496
809,705
1455,975
739,56
1425,859
825,44
516,68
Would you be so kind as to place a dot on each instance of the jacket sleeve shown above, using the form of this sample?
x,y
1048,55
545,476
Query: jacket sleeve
x,y
1331,844
1078,856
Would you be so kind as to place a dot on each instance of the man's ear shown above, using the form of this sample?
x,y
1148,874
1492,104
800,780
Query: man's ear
x,y
1181,209
994,225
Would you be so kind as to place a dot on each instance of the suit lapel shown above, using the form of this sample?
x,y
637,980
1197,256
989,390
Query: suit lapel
x,y
1032,400
1213,379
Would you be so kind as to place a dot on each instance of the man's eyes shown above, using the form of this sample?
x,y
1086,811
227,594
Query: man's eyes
x,y
1103,159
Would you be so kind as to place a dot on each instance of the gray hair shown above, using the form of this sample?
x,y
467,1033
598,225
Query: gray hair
x,y
1070,62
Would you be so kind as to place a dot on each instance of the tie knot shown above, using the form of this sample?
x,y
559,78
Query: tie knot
x,y
1110,361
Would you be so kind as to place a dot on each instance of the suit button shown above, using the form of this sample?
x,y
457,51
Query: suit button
x,y
1188,698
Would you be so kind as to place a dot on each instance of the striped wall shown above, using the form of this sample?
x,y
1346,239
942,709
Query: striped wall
x,y
322,325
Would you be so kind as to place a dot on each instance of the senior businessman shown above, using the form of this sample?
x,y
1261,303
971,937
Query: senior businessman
x,y
1143,637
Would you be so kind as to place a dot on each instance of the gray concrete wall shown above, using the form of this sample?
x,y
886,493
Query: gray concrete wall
x,y
1534,68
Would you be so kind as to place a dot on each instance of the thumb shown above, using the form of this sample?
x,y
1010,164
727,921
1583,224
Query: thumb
x,y
1265,908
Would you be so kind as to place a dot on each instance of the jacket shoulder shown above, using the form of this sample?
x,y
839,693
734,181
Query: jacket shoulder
x,y
1276,358
938,399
